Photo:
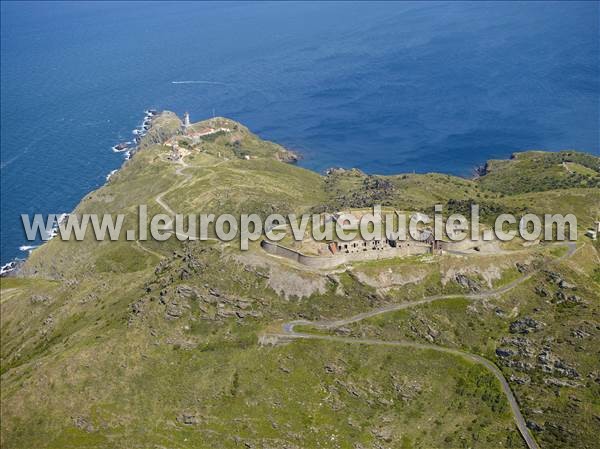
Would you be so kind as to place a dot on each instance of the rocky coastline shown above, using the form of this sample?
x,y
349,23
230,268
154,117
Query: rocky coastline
x,y
128,148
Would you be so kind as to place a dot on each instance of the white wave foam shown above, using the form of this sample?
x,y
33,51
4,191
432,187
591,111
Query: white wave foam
x,y
112,172
27,247
218,83
8,267
54,231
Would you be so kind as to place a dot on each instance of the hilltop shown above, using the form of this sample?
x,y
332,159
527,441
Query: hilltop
x,y
156,344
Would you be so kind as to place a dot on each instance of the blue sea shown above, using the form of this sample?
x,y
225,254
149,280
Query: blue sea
x,y
386,87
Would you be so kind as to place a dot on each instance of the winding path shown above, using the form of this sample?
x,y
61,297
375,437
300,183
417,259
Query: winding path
x,y
490,366
290,333
187,177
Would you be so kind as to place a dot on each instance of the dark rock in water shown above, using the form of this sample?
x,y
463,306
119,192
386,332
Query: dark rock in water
x,y
11,269
289,157
481,170
121,146
341,170
334,170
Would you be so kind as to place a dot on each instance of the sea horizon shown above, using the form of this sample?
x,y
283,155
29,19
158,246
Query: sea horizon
x,y
395,93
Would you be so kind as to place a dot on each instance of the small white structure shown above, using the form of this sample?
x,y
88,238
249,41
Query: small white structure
x,y
186,122
594,232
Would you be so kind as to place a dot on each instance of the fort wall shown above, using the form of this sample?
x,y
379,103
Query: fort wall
x,y
338,259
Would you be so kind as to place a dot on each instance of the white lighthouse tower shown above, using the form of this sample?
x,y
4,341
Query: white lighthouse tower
x,y
186,122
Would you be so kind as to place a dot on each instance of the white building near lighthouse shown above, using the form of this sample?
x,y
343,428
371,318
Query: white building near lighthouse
x,y
186,122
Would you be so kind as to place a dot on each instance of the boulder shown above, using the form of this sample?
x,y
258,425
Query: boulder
x,y
188,419
520,380
564,284
525,325
468,283
505,352
534,426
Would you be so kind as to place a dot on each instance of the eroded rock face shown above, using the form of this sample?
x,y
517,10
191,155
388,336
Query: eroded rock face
x,y
561,297
518,365
187,292
173,311
189,300
525,347
558,280
554,382
290,284
468,283
521,380
550,363
390,278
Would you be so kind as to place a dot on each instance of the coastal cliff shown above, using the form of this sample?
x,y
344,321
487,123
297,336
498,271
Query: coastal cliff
x,y
146,343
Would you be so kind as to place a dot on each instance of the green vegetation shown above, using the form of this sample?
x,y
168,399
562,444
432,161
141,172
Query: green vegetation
x,y
569,335
148,344
537,171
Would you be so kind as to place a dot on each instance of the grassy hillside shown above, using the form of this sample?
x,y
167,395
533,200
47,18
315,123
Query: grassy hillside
x,y
553,368
537,171
148,344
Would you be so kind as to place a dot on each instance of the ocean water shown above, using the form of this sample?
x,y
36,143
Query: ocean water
x,y
386,87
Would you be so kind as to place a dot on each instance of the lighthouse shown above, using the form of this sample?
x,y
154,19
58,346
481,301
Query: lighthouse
x,y
186,122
